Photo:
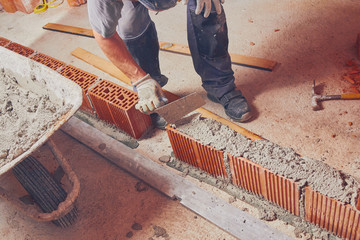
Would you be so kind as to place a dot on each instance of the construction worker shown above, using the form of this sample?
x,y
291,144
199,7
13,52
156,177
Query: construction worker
x,y
126,34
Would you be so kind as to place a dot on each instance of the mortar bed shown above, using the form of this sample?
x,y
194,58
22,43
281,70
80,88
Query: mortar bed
x,y
267,211
280,160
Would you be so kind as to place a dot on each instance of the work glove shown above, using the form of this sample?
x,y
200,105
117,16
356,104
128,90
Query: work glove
x,y
150,95
207,3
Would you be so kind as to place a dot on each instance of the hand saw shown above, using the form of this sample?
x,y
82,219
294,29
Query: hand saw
x,y
177,109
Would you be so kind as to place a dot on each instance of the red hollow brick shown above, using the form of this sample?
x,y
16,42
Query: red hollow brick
x,y
116,105
332,215
247,174
191,151
8,5
182,146
3,41
20,49
261,181
84,79
26,6
48,61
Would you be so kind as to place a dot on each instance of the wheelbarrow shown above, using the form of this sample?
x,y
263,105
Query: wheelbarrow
x,y
57,205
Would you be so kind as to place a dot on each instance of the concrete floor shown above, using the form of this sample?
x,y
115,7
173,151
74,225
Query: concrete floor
x,y
315,40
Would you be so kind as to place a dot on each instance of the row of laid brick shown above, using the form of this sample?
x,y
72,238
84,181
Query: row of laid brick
x,y
115,105
330,214
109,101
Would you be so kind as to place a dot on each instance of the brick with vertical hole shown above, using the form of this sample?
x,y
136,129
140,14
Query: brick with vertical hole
x,y
84,79
258,180
48,61
3,41
191,151
341,219
116,105
20,49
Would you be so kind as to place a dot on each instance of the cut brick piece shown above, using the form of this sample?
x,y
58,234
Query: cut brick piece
x,y
341,219
48,61
116,105
3,41
20,49
84,79
191,151
247,174
261,181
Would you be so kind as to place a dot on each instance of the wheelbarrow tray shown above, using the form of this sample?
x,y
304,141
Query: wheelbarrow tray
x,y
41,80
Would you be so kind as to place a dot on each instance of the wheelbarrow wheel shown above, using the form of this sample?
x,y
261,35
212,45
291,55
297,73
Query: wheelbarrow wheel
x,y
42,187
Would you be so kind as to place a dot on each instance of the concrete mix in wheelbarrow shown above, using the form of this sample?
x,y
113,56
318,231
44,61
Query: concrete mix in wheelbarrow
x,y
24,117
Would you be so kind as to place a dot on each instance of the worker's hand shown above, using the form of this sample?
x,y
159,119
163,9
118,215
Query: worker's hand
x,y
207,3
150,95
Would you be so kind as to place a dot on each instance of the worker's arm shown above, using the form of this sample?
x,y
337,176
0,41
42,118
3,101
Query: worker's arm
x,y
117,52
149,91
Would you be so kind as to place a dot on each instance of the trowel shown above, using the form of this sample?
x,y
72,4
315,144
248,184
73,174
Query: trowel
x,y
177,109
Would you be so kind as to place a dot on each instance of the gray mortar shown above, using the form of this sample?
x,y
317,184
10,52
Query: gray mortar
x,y
24,117
280,160
264,206
109,129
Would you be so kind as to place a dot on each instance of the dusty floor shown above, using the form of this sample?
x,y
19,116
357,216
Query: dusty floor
x,y
107,211
311,39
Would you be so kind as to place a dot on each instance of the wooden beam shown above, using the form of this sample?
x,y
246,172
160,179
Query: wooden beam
x,y
231,219
253,62
110,68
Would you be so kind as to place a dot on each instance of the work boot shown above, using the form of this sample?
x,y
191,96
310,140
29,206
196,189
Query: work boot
x,y
235,105
162,79
158,121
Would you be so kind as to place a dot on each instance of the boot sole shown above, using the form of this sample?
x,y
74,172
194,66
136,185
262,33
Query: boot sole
x,y
244,118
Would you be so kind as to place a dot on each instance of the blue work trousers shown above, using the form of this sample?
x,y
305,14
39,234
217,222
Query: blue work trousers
x,y
207,39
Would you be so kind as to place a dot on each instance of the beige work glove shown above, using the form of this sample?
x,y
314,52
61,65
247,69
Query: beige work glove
x,y
150,95
207,3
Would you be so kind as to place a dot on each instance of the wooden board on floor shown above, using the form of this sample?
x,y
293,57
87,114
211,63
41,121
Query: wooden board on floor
x,y
110,68
69,29
259,63
253,62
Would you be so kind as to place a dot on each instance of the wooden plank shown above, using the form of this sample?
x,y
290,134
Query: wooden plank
x,y
231,219
101,63
237,59
69,29
109,68
253,62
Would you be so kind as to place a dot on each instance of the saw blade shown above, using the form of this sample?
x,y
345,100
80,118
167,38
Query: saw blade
x,y
177,109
